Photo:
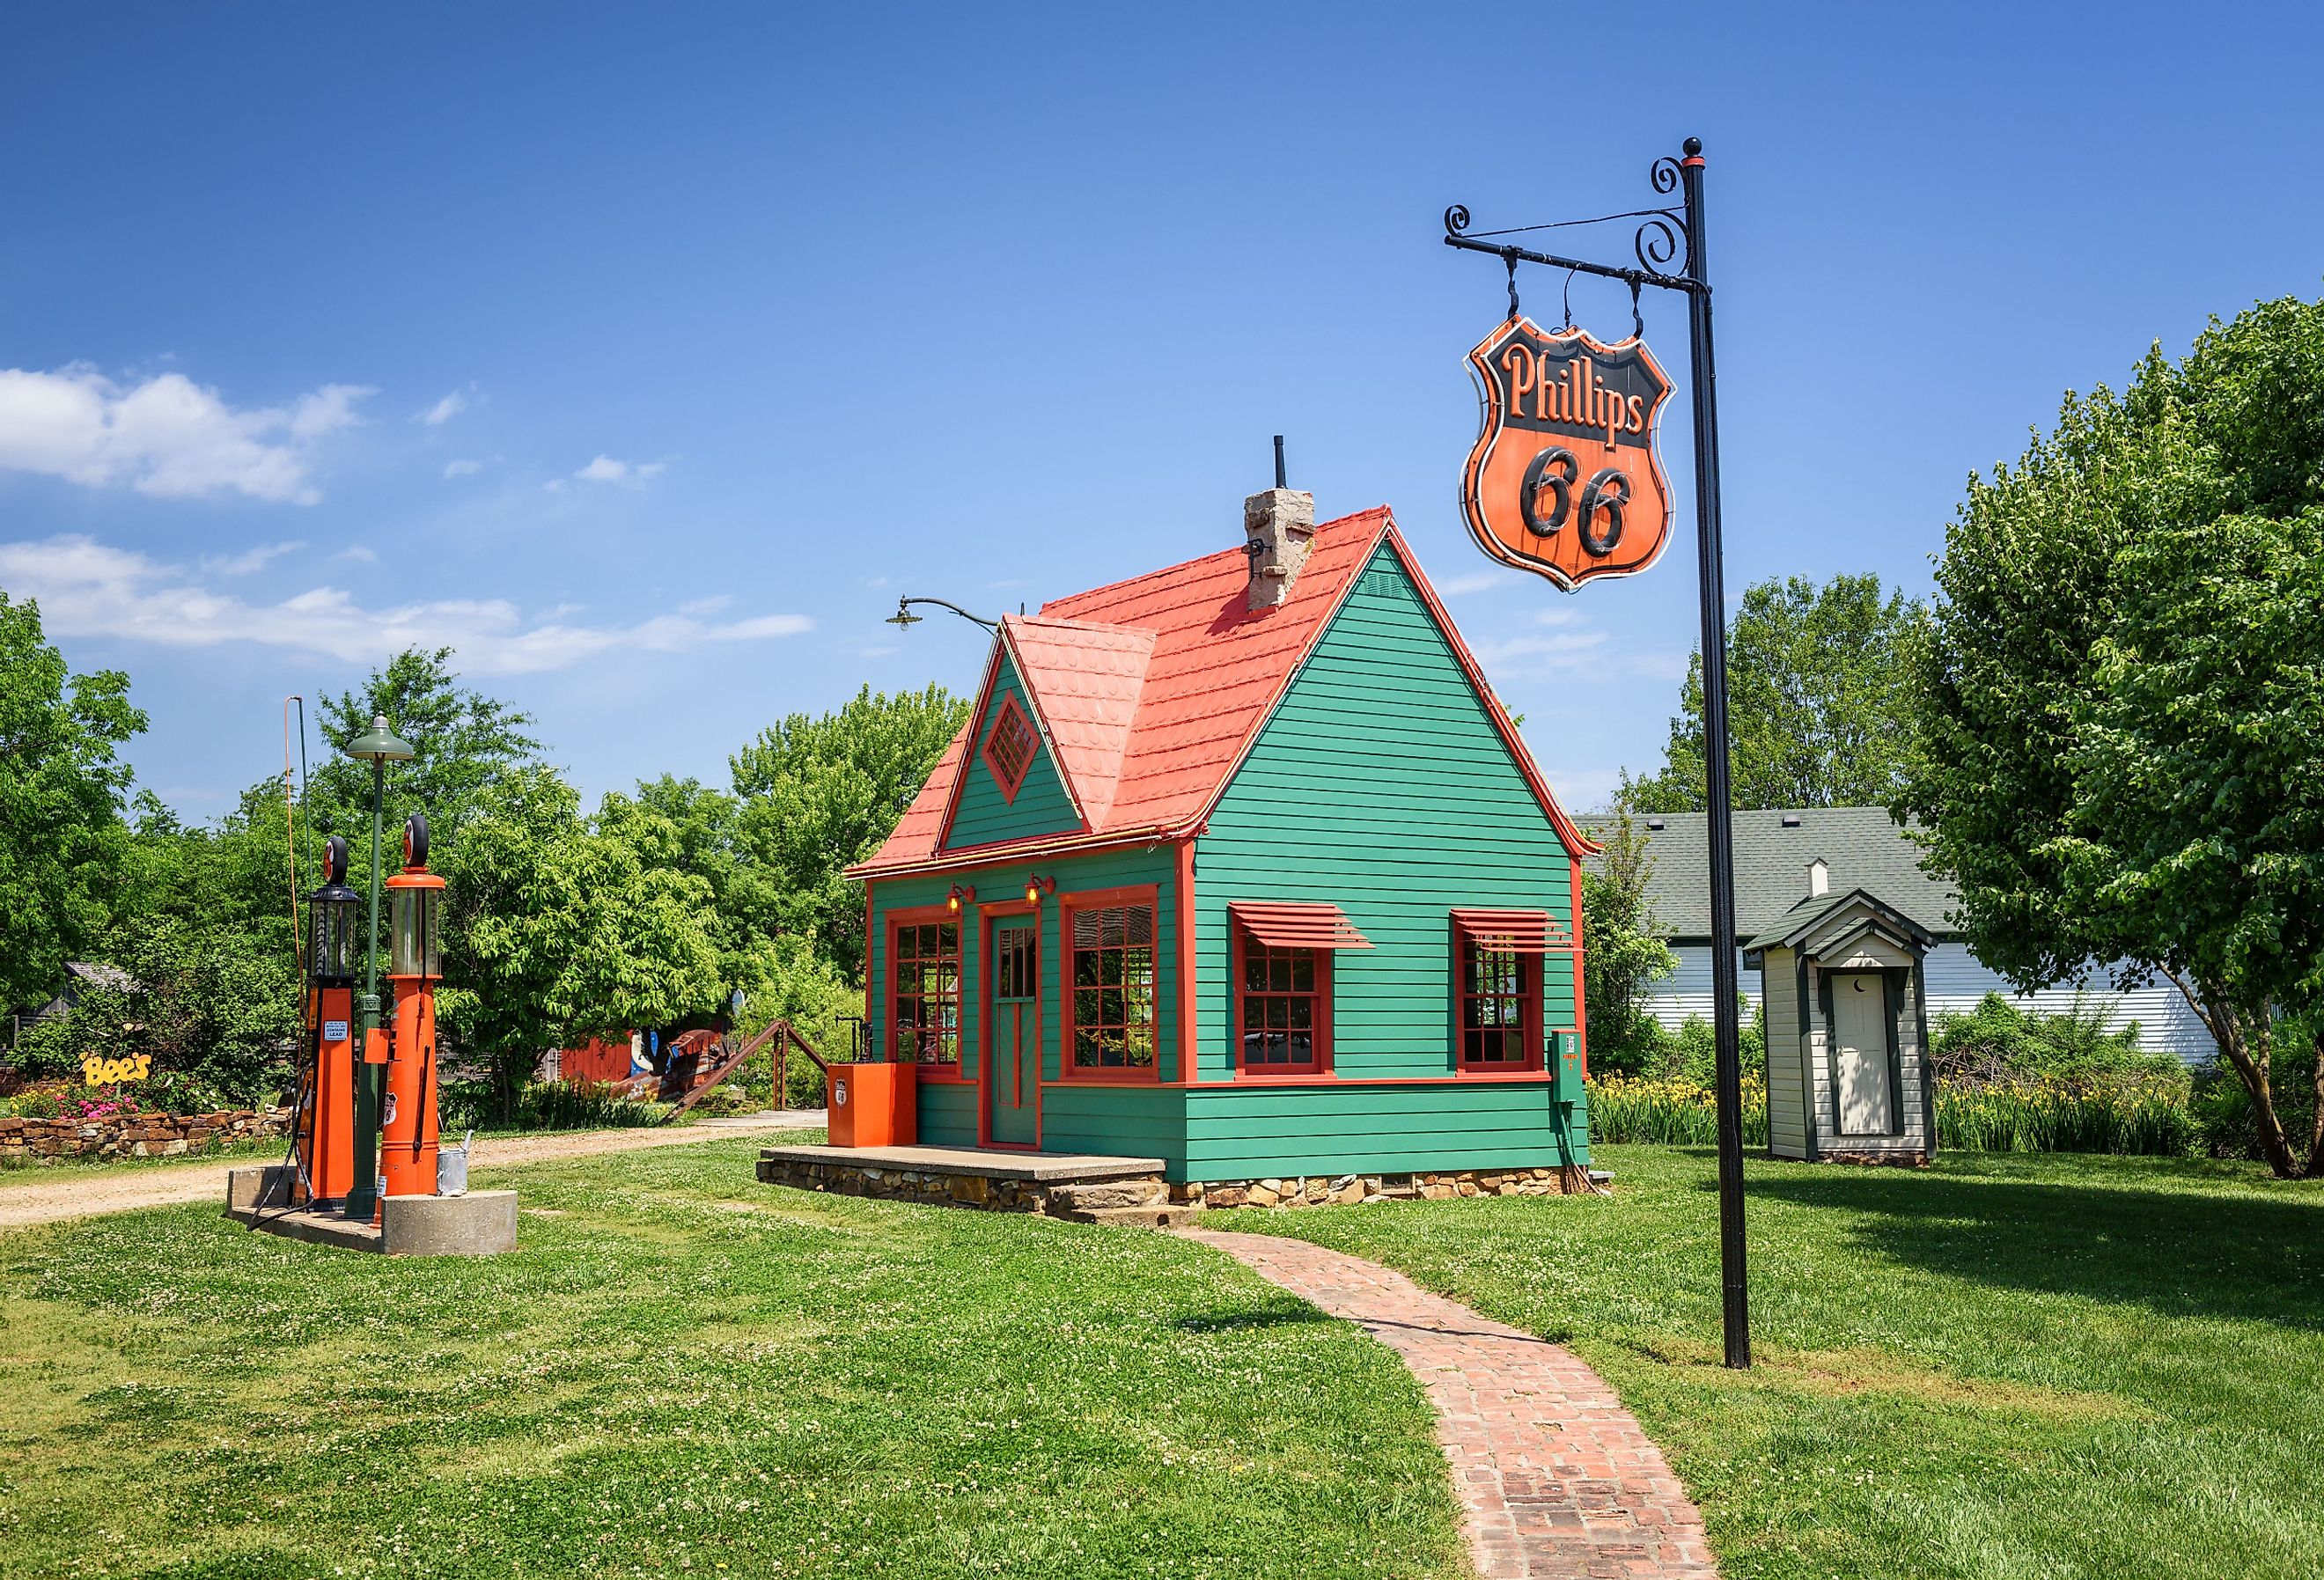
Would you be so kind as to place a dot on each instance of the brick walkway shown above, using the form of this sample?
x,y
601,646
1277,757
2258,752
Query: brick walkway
x,y
1556,1477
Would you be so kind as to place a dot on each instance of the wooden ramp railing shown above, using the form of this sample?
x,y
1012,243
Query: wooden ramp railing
x,y
782,1035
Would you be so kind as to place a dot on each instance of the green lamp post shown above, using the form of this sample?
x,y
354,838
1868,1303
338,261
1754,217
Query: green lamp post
x,y
379,747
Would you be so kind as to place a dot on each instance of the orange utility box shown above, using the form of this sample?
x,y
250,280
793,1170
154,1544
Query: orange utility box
x,y
874,1105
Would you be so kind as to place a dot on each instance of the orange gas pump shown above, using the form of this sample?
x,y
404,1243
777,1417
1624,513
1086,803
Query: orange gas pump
x,y
324,1124
407,1136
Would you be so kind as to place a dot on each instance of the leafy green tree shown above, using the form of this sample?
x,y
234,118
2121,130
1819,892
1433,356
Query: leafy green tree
x,y
558,929
818,793
462,741
2115,756
1814,717
1623,956
63,843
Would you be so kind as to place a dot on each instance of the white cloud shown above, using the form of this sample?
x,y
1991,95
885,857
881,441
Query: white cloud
x,y
87,588
463,468
443,411
358,553
167,437
607,469
1477,581
249,560
697,607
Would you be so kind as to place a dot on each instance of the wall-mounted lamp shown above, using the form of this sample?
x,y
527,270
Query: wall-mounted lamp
x,y
959,894
1036,886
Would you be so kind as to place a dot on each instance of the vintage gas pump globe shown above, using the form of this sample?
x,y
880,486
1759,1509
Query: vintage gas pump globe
x,y
335,923
414,898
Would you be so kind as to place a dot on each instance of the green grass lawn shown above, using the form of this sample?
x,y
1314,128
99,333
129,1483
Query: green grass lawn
x,y
2003,1366
684,1372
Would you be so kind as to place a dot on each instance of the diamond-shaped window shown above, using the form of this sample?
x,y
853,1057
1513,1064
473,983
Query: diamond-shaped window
x,y
1009,748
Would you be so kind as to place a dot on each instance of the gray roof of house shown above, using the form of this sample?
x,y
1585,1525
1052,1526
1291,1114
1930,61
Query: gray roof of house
x,y
1862,845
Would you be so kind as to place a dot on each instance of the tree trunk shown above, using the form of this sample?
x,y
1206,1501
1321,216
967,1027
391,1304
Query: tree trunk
x,y
2316,1130
2227,1029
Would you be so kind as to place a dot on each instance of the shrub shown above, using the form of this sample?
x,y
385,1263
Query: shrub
x,y
1672,1111
1999,1042
2121,1114
581,1105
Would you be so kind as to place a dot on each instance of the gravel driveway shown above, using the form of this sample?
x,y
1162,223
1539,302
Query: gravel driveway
x,y
57,1195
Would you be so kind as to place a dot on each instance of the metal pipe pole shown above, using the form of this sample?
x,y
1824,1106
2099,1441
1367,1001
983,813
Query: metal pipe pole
x,y
363,1191
1724,1010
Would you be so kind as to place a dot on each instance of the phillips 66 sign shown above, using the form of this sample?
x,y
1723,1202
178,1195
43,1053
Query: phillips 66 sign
x,y
1564,480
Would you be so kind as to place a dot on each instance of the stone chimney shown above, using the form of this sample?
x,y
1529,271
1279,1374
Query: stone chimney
x,y
1819,878
1279,527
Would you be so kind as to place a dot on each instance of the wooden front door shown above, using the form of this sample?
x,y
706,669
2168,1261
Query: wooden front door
x,y
1012,1047
1860,1023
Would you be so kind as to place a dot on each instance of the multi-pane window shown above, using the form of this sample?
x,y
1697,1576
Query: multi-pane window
x,y
1285,1007
1009,748
1501,1007
1113,1008
926,965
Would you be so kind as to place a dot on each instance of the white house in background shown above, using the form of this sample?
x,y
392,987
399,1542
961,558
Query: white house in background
x,y
1858,849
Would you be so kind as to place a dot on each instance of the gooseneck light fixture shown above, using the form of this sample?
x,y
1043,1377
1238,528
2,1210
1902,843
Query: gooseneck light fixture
x,y
1036,886
378,746
958,895
905,617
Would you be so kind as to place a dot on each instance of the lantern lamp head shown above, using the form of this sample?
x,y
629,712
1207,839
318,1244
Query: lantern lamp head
x,y
960,894
1036,886
379,745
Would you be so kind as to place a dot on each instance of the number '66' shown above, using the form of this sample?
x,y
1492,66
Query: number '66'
x,y
1545,499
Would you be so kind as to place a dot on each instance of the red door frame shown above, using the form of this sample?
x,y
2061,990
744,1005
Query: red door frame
x,y
986,1020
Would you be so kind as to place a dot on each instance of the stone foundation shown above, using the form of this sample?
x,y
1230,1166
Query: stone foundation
x,y
1348,1189
136,1135
915,1184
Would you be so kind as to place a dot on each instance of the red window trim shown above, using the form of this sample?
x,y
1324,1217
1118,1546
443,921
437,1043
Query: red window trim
x,y
1148,895
921,916
1010,708
1532,991
1318,1068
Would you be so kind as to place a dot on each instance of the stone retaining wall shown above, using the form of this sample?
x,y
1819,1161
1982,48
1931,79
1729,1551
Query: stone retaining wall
x,y
136,1135
1346,1189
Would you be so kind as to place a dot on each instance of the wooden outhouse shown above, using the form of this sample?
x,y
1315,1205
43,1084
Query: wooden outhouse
x,y
1848,1033
1240,864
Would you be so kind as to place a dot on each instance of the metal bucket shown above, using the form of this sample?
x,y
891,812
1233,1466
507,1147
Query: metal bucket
x,y
452,1167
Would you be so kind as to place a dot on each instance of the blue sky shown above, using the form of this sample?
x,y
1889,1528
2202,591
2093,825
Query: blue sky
x,y
647,354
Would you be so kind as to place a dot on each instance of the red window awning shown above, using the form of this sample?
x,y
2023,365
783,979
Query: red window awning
x,y
1515,932
1298,924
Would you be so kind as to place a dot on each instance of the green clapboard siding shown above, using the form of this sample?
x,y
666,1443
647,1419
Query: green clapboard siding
x,y
1041,807
1100,1123
1256,1133
1381,785
947,1114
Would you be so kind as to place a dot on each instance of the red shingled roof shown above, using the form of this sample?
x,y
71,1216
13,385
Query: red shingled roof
x,y
1149,692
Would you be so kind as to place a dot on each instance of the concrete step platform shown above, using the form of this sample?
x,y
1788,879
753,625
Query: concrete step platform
x,y
1163,1215
482,1223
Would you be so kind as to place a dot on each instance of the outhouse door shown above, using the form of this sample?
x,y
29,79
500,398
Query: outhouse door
x,y
1859,1015
1012,1054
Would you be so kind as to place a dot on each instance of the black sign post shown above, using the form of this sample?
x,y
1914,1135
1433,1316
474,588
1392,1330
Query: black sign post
x,y
1663,235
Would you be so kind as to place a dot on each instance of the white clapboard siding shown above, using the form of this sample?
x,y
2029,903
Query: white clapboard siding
x,y
1957,980
1686,992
